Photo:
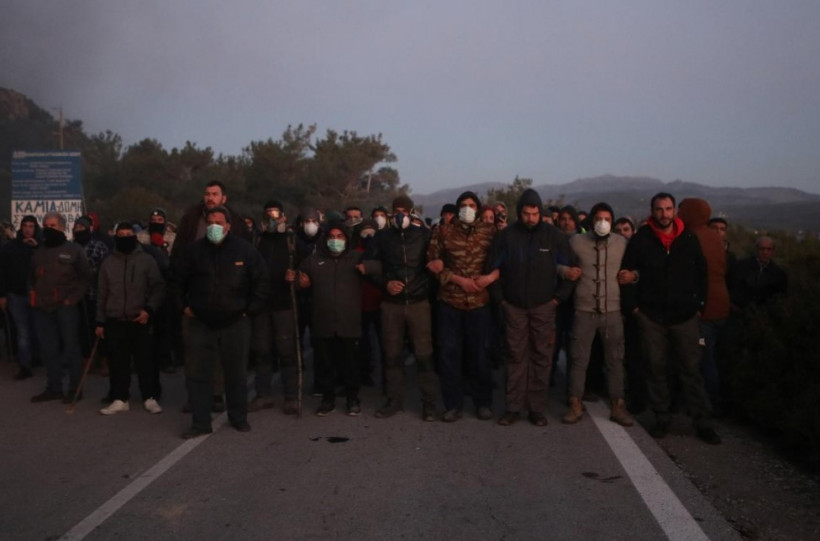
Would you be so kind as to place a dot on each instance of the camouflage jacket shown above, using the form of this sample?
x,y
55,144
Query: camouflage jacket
x,y
463,249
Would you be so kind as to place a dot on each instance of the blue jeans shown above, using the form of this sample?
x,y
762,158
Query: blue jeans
x,y
710,332
462,339
56,328
22,314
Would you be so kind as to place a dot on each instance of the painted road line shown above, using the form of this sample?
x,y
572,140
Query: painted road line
x,y
92,521
676,522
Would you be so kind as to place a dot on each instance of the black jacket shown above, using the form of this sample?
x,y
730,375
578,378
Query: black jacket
x,y
403,257
528,260
275,252
671,286
221,282
15,266
753,284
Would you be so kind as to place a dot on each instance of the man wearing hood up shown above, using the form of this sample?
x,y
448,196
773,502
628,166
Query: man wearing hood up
x,y
527,255
665,263
457,255
15,265
597,311
333,274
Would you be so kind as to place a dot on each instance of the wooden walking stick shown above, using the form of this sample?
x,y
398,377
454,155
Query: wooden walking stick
x,y
88,362
291,250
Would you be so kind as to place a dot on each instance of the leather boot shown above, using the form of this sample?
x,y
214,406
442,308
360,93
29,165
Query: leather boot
x,y
619,414
576,411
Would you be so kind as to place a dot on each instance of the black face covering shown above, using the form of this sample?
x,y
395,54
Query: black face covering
x,y
125,245
53,237
82,237
156,228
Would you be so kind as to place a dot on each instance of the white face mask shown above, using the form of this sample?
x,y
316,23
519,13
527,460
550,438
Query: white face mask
x,y
311,228
401,220
602,228
466,214
281,227
381,221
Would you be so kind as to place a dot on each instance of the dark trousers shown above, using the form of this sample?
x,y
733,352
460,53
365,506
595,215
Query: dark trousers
x,y
336,356
413,319
367,352
530,342
129,341
60,345
710,333
676,343
274,327
204,347
22,316
461,338
635,365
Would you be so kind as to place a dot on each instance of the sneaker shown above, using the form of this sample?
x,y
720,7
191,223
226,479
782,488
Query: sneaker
x,y
47,396
23,373
509,418
451,416
151,406
354,408
116,407
709,436
242,426
291,406
325,409
260,403
484,413
391,408
428,412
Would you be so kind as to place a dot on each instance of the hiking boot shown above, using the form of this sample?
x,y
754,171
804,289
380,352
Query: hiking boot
x,y
47,396
354,408
152,406
291,407
619,415
484,413
23,373
389,410
659,430
537,418
575,413
451,416
260,403
509,418
709,436
325,409
195,432
218,405
428,412
116,406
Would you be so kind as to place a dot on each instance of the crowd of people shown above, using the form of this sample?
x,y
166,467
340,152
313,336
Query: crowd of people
x,y
640,309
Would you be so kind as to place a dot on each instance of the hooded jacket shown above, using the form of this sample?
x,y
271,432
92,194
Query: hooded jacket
x,y
403,257
695,213
15,264
221,283
276,252
337,288
528,259
127,284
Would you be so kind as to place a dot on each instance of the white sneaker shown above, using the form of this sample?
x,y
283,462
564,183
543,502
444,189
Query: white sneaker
x,y
115,407
152,406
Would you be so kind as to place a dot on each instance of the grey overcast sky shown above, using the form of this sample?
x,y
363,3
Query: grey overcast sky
x,y
724,93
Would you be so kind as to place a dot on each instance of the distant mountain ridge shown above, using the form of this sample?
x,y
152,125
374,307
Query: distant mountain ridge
x,y
768,207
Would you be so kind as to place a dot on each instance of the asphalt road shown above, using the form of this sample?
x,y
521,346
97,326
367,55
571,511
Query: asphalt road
x,y
131,476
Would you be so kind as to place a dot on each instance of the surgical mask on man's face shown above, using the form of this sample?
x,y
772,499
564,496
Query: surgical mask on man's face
x,y
401,220
466,214
602,228
336,246
381,221
311,228
215,233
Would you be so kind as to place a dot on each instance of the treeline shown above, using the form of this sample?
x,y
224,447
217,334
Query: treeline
x,y
299,168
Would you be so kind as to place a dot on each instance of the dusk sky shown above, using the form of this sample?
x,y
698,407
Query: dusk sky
x,y
722,93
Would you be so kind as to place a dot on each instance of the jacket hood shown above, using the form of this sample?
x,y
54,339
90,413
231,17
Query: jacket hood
x,y
529,198
322,243
694,212
468,195
29,218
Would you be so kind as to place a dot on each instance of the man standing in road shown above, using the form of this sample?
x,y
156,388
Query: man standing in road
x,y
664,262
528,254
221,281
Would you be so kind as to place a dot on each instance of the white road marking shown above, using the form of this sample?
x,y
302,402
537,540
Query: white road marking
x,y
92,521
676,522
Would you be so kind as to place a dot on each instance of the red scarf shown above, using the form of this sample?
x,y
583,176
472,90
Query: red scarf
x,y
667,238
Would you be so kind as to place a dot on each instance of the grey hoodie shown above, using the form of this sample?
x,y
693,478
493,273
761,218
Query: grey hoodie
x,y
128,283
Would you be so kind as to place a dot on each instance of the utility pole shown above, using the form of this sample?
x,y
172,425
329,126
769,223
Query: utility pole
x,y
61,128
